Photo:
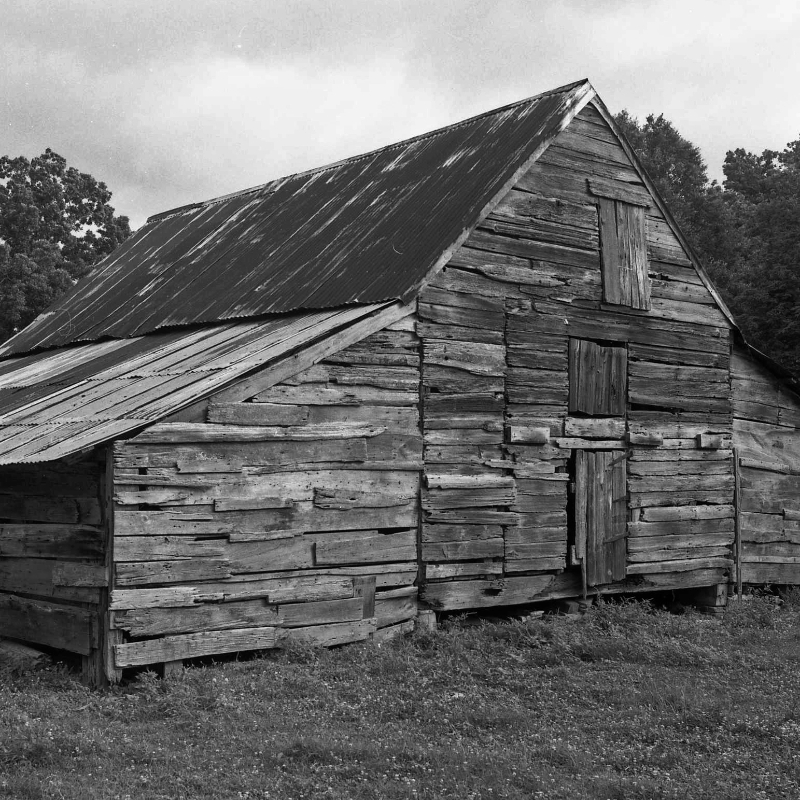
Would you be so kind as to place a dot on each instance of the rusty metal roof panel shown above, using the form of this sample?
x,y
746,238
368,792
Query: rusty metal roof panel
x,y
365,230
70,399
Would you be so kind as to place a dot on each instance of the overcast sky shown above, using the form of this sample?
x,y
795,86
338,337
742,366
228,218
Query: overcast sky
x,y
175,101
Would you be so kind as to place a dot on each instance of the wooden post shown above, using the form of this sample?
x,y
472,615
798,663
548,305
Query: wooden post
x,y
109,635
94,666
737,523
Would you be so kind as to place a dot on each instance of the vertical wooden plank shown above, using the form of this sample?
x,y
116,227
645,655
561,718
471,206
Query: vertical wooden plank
x,y
737,518
602,404
93,665
604,534
609,250
574,373
109,636
364,587
616,551
618,382
637,234
593,547
624,251
581,499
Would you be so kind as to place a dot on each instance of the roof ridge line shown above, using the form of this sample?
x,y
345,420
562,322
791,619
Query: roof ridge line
x,y
275,182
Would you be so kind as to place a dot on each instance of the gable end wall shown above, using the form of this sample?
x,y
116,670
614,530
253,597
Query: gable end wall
x,y
496,326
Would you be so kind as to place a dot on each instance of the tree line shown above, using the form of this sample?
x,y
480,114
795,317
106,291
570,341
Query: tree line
x,y
56,223
745,231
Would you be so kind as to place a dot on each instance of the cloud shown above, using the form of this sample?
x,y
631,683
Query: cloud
x,y
175,102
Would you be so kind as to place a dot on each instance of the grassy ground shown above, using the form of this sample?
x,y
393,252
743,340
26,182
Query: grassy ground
x,y
625,703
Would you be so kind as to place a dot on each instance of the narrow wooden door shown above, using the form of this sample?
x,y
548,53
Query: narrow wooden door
x,y
601,515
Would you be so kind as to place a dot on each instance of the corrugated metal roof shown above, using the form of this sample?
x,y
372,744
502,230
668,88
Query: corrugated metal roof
x,y
365,230
58,403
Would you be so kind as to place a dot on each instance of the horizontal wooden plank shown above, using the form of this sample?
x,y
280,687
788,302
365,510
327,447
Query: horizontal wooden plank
x,y
331,635
680,541
256,414
680,565
144,573
594,428
462,569
164,597
761,573
60,626
51,541
673,553
462,595
148,622
674,498
688,512
40,577
446,481
618,190
495,495
685,526
179,432
462,550
539,564
193,645
326,612
368,548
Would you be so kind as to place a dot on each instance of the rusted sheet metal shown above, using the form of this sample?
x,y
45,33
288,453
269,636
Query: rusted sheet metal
x,y
61,402
365,230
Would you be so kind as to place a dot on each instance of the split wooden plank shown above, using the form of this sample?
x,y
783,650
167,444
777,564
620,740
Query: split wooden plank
x,y
165,597
193,645
249,414
63,627
461,595
144,573
180,432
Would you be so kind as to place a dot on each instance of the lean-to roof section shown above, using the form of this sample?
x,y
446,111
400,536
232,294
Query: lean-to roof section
x,y
61,402
365,230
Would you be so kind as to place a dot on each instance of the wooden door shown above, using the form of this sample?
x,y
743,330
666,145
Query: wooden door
x,y
601,515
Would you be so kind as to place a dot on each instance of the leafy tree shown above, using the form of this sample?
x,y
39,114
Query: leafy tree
x,y
673,162
55,224
746,232
768,188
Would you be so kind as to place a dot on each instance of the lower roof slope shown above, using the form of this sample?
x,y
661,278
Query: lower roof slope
x,y
58,403
365,230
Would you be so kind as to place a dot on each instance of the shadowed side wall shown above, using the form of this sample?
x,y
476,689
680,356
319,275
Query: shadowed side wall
x,y
766,417
52,556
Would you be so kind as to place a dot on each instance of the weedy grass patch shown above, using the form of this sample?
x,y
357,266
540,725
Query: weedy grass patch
x,y
627,702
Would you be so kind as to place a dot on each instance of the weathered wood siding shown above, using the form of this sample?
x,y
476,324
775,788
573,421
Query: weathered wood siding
x,y
264,518
766,419
52,553
526,296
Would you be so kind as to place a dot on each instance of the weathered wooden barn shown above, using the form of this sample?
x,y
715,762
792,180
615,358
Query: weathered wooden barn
x,y
476,368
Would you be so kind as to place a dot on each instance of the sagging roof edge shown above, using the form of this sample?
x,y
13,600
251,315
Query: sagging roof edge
x,y
275,182
287,365
787,378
